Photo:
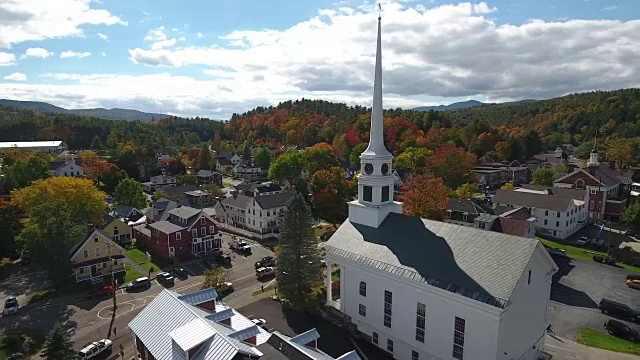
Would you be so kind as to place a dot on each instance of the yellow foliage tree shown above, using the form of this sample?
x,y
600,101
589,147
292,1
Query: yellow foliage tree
x,y
84,201
507,186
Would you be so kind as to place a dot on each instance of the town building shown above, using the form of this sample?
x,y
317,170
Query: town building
x,y
559,213
259,214
226,161
52,147
159,182
556,158
422,289
97,257
401,177
496,174
66,166
514,221
608,187
463,211
117,229
182,232
253,189
247,170
209,177
198,326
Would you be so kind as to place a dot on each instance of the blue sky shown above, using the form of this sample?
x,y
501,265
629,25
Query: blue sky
x,y
213,58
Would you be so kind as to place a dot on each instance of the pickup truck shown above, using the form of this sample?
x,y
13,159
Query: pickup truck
x,y
241,246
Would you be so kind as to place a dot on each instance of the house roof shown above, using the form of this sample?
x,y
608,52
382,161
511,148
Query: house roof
x,y
576,194
163,206
474,263
516,227
185,212
527,199
296,349
486,218
166,227
225,162
206,173
179,190
90,235
237,200
517,213
260,188
224,155
274,200
59,163
465,206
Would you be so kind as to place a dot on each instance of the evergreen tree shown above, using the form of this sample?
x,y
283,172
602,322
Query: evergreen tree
x,y
205,158
263,158
58,346
246,152
298,258
96,143
129,192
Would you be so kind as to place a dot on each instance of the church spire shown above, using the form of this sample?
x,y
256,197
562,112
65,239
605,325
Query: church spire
x,y
376,133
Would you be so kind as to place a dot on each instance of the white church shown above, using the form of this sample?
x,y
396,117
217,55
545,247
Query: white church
x,y
427,290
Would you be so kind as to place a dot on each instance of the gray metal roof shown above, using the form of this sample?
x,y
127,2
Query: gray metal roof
x,y
274,200
185,212
238,200
474,263
527,199
199,297
165,227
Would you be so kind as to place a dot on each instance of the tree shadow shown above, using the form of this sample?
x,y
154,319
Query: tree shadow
x,y
21,280
565,265
572,297
41,319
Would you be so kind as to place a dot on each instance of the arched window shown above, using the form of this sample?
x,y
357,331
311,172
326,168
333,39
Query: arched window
x,y
579,184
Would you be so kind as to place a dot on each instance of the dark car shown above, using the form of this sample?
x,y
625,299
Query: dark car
x,y
221,257
165,278
621,330
102,292
265,262
25,257
609,260
633,277
139,283
180,272
618,309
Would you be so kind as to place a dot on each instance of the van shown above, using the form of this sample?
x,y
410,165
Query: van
x,y
264,272
621,330
615,308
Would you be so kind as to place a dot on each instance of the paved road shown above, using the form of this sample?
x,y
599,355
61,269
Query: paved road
x,y
576,296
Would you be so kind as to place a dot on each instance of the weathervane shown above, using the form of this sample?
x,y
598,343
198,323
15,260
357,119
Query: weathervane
x,y
379,11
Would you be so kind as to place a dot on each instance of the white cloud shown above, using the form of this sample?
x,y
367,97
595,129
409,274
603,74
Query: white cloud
x,y
439,54
16,77
7,59
162,44
200,35
160,39
610,8
104,53
70,54
36,52
103,36
33,20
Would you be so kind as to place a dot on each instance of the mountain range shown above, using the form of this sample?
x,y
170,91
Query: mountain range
x,y
463,105
109,114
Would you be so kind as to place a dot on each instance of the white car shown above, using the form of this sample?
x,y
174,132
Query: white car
x,y
91,350
582,241
264,272
260,322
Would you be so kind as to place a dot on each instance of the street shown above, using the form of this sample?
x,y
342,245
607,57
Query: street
x,y
88,320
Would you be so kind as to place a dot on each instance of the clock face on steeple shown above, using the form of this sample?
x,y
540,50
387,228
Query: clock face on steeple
x,y
368,169
384,168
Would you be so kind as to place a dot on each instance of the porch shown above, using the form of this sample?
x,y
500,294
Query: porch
x,y
333,284
95,270
206,244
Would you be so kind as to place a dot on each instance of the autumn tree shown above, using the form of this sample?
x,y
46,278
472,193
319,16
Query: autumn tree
x,y
110,179
298,272
24,171
215,145
95,167
465,191
319,157
425,196
216,276
452,164
503,149
176,166
331,191
129,192
507,186
620,151
263,158
413,158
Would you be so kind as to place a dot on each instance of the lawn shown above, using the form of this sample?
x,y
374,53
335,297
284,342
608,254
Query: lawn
x,y
266,288
3,351
582,253
139,257
131,273
322,229
600,340
226,184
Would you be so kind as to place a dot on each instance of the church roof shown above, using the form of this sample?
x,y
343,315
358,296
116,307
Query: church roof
x,y
474,263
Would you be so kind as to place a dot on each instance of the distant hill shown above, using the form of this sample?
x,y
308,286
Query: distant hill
x,y
109,114
464,105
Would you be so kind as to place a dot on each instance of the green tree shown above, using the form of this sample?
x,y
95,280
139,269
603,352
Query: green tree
x,y
298,272
130,192
543,176
214,277
246,152
331,191
206,159
354,155
465,191
215,145
188,179
213,189
24,171
319,157
157,195
287,167
631,216
263,158
413,158
507,186
58,346
10,227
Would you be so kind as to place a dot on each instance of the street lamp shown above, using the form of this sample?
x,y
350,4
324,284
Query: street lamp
x,y
148,262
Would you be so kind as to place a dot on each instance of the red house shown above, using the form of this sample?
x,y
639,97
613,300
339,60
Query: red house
x,y
186,232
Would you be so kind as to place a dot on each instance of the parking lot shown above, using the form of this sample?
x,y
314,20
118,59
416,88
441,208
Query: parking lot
x,y
575,297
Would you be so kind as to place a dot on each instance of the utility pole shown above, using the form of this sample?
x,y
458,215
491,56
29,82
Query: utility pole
x,y
149,263
115,289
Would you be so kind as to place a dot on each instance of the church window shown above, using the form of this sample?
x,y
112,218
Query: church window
x,y
367,193
385,193
363,288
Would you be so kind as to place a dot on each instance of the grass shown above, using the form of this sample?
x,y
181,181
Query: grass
x,y
226,184
4,352
131,273
321,229
604,341
259,292
582,253
139,257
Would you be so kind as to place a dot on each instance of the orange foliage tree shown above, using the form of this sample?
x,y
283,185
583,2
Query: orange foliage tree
x,y
452,164
425,196
331,191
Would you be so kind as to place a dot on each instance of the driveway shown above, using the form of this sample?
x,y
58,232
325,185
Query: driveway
x,y
575,297
21,281
591,231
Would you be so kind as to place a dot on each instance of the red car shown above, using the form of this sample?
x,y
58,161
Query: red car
x,y
104,291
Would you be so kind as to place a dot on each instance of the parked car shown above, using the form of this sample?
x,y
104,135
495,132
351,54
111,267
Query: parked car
x,y
165,278
92,350
260,322
180,272
10,306
557,252
582,241
139,283
621,330
265,261
618,309
241,246
609,260
634,284
633,277
25,257
222,257
224,288
264,272
106,290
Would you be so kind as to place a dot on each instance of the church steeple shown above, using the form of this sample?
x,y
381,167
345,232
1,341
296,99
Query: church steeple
x,y
376,181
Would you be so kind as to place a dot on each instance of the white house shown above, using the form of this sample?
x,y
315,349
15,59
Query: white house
x,y
248,171
66,167
422,289
159,182
559,212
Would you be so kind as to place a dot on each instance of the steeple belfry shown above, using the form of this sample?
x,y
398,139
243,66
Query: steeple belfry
x,y
375,181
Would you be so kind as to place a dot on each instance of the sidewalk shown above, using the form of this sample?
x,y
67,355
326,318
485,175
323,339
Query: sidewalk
x,y
565,349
